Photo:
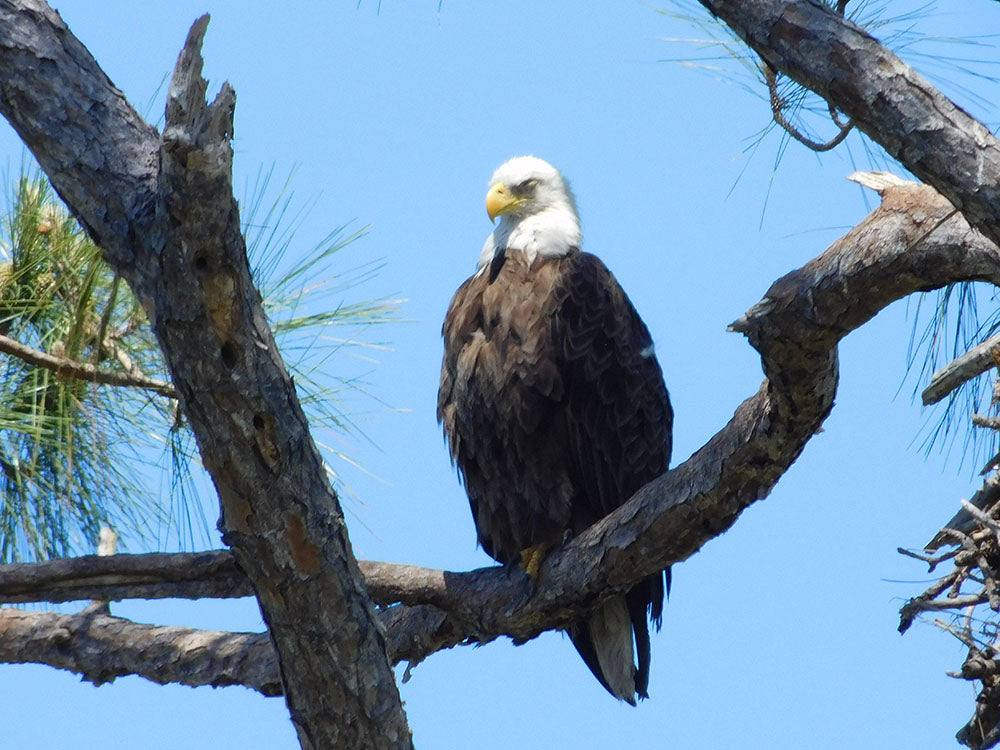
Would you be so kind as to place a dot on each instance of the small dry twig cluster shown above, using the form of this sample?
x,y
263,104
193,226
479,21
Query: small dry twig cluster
x,y
973,539
973,581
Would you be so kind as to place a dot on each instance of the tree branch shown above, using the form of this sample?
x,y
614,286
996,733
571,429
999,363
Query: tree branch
x,y
985,498
986,421
100,648
83,371
182,575
191,575
883,96
796,328
973,363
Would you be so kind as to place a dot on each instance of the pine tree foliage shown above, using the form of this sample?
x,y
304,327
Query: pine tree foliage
x,y
67,457
76,455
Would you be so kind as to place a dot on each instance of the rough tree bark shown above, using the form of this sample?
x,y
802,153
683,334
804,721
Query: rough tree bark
x,y
160,653
913,242
161,207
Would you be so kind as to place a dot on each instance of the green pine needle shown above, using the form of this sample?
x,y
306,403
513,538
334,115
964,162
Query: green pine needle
x,y
75,455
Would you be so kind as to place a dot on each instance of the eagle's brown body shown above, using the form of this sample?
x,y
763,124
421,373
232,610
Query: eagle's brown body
x,y
555,411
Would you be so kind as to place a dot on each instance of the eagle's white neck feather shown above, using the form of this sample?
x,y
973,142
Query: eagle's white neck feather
x,y
548,226
550,234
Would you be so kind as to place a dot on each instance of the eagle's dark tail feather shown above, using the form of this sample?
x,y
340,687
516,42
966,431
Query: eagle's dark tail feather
x,y
595,643
637,605
592,635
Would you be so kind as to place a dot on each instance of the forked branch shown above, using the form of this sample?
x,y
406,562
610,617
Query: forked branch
x,y
796,327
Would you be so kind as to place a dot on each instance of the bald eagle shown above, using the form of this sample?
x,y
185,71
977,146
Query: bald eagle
x,y
553,403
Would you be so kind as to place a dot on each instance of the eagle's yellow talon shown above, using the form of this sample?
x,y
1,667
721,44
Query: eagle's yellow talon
x,y
532,559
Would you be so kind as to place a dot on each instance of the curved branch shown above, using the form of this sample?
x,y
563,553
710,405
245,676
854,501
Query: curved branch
x,y
778,104
796,327
100,648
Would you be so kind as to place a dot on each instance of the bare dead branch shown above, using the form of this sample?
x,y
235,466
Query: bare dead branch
x,y
958,602
960,370
191,575
183,575
932,560
962,635
100,648
909,611
983,518
988,422
985,497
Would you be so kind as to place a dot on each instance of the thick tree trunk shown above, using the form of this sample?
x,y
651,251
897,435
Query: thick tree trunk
x,y
162,209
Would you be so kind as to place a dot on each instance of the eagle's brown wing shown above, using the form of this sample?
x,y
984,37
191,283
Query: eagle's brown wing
x,y
555,411
618,422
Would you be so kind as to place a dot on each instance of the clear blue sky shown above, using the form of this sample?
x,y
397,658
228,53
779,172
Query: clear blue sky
x,y
780,634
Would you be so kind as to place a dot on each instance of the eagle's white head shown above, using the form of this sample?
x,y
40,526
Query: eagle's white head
x,y
536,209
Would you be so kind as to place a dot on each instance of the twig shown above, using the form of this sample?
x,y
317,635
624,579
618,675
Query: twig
x,y
981,420
106,317
82,371
914,606
960,370
931,560
956,603
982,517
778,104
965,638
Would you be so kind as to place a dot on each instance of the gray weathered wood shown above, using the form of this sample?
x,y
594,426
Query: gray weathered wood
x,y
962,369
162,210
107,647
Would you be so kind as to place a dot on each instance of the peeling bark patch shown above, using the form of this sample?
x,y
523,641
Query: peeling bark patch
x,y
236,511
305,554
220,299
267,446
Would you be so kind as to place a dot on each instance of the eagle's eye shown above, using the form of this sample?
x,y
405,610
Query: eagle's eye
x,y
526,188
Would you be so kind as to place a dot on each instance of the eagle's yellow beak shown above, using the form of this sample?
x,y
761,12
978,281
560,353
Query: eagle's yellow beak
x,y
500,201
